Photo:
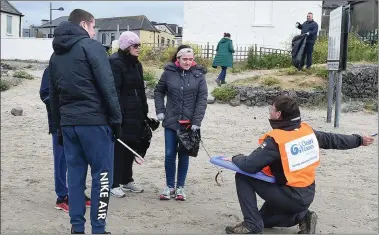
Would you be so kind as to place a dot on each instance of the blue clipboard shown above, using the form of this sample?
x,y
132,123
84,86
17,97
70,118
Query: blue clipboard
x,y
218,161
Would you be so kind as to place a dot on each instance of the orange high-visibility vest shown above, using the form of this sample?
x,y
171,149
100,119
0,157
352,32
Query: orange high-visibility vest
x,y
299,153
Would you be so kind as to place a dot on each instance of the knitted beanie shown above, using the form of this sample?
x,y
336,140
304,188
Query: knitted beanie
x,y
127,39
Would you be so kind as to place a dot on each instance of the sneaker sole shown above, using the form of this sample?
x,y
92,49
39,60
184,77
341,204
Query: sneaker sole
x,y
59,208
164,198
180,198
133,191
114,195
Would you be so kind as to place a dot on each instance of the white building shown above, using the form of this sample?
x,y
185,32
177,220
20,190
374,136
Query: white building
x,y
265,23
11,21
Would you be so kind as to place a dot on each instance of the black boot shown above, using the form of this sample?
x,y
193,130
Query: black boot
x,y
308,224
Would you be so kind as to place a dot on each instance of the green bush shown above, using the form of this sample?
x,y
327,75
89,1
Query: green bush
x,y
146,53
150,77
23,74
4,85
268,61
357,50
224,93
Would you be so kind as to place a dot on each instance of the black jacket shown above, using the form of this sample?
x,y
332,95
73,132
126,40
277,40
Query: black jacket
x,y
268,153
128,77
312,28
45,97
186,93
82,89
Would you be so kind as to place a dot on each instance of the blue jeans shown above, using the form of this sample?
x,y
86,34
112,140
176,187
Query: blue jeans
x,y
171,143
222,74
94,146
60,169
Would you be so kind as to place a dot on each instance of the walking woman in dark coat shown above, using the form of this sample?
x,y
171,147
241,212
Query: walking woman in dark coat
x,y
224,57
128,75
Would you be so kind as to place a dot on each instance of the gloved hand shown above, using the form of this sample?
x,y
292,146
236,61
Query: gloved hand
x,y
307,33
59,137
195,128
116,128
297,25
160,117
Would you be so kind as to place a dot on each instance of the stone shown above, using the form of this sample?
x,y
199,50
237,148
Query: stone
x,y
236,101
17,111
211,99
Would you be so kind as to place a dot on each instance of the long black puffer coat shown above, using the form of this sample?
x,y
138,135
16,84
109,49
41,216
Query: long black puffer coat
x,y
128,76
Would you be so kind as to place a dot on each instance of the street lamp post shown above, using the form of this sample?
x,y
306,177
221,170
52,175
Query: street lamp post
x,y
51,16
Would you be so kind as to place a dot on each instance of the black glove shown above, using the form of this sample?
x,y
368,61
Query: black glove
x,y
59,137
153,123
116,128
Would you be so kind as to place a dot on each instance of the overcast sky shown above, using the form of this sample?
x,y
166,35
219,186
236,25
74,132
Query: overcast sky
x,y
159,11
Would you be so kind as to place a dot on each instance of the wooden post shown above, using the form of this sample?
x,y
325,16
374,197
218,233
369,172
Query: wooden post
x,y
207,50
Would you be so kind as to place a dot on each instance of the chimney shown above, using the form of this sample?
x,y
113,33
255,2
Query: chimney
x,y
177,30
44,22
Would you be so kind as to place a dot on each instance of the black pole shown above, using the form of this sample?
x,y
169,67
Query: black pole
x,y
51,18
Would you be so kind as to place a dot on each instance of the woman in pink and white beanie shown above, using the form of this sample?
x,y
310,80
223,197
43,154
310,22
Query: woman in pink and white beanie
x,y
128,76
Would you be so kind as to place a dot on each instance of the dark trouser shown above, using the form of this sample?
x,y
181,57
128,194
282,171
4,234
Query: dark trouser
x,y
171,143
123,164
222,75
308,51
91,145
282,207
60,168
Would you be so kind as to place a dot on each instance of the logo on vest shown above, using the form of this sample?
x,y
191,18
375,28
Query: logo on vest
x,y
303,146
302,152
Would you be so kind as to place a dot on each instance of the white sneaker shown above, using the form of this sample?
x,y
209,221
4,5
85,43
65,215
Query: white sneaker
x,y
179,194
167,193
117,192
132,187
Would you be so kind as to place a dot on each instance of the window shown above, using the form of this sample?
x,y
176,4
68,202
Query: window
x,y
103,38
168,42
263,14
173,42
112,37
9,24
162,41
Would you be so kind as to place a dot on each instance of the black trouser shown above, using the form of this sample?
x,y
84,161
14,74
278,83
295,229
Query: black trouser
x,y
308,51
283,206
123,164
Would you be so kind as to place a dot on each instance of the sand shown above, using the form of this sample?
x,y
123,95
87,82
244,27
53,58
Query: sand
x,y
346,194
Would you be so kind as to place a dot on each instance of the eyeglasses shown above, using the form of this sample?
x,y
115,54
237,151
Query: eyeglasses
x,y
135,46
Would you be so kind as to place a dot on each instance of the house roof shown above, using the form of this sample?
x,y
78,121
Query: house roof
x,y
333,4
173,28
140,22
172,31
9,8
54,23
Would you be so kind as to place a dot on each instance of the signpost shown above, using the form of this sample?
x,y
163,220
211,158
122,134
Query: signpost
x,y
337,58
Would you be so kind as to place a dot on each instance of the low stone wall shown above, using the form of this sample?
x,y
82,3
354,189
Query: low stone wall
x,y
360,81
262,96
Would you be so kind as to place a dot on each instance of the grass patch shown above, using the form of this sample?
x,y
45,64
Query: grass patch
x,y
246,81
239,67
224,93
370,106
23,74
270,81
317,71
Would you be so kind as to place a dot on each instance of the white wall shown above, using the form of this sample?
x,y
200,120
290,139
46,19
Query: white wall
x,y
15,26
26,48
266,23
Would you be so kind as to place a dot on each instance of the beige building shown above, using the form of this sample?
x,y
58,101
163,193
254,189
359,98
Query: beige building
x,y
11,21
109,29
